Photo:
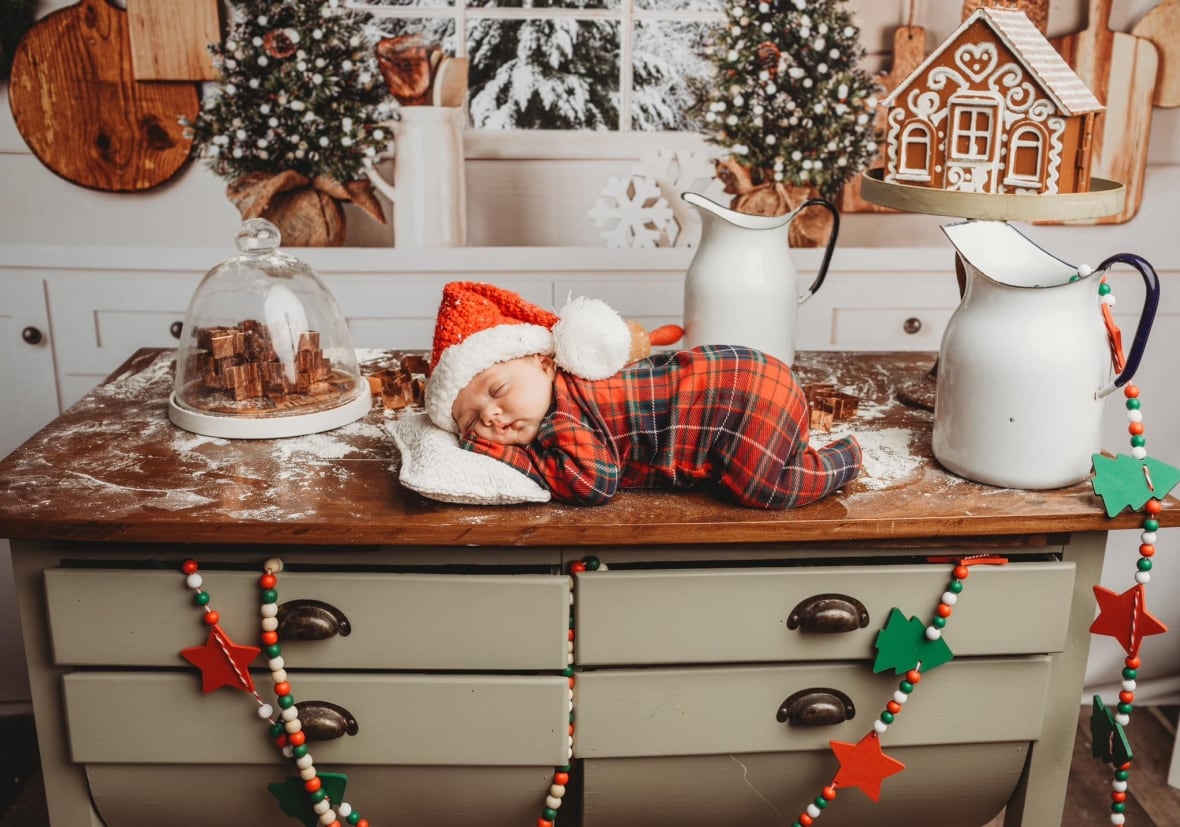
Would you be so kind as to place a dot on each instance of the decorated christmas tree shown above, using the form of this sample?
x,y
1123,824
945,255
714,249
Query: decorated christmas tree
x,y
298,99
789,100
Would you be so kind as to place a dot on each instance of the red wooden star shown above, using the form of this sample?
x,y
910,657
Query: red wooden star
x,y
1124,617
864,765
222,662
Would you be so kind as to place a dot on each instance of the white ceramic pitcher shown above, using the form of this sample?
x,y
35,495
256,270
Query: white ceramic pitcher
x,y
429,189
1026,362
741,287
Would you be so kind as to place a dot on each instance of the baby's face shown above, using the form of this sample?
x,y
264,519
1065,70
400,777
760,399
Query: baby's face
x,y
506,402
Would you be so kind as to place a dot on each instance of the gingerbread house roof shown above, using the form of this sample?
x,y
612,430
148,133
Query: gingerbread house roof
x,y
1017,32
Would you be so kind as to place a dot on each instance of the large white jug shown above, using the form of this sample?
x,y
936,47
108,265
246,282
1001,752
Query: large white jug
x,y
1026,361
741,286
429,189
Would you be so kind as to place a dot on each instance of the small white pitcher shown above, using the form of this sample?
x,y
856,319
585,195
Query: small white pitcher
x,y
429,189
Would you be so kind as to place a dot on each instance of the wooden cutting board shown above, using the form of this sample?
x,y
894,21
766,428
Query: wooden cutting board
x,y
77,105
1120,69
1161,26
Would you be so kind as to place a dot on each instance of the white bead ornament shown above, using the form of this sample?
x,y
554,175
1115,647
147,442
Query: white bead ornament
x,y
1119,786
950,598
308,773
322,806
933,633
194,581
1118,818
813,811
552,803
328,817
900,697
265,711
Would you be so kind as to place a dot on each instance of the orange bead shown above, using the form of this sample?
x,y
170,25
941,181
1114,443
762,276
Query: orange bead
x,y
282,688
189,566
1132,662
1127,697
297,738
806,820
364,822
829,793
894,707
1131,392
943,610
577,567
571,729
1147,550
270,638
212,618
312,784
1118,798
1153,506
571,682
913,676
544,822
1135,428
561,778
268,581
1126,766
570,635
961,572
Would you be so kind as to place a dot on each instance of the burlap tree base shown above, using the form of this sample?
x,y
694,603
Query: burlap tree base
x,y
308,212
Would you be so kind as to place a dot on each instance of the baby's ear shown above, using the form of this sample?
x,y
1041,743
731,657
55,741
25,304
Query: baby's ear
x,y
547,363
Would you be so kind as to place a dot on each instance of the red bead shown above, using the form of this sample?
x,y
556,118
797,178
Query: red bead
x,y
913,676
297,738
577,567
1147,550
1126,766
212,618
268,581
282,688
893,706
1127,697
943,610
571,729
270,638
1132,662
544,822
571,682
1118,798
829,793
1153,506
1131,392
189,567
561,778
312,784
364,822
961,572
806,820
570,635
1135,428
281,741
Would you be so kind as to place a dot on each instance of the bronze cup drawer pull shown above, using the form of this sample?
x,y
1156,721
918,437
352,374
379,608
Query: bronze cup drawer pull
x,y
816,706
324,721
311,620
828,614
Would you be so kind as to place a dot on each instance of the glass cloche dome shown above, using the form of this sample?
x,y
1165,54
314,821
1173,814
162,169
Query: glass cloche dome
x,y
264,351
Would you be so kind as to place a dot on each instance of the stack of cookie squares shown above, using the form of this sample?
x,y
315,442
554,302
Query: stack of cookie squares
x,y
241,362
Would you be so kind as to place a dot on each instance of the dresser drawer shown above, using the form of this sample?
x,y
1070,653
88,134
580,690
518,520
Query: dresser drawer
x,y
134,617
448,720
701,711
741,615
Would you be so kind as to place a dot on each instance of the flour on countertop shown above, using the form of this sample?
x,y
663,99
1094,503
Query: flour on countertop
x,y
886,453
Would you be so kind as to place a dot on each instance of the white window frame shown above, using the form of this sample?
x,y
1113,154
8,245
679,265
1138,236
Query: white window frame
x,y
623,143
1016,142
987,106
904,171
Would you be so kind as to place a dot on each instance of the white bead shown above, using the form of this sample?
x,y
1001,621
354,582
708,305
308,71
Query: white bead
x,y
1139,452
288,752
328,817
571,597
933,633
1143,577
880,726
276,663
289,714
569,658
278,676
273,566
569,753
552,803
1135,416
293,726
322,806
603,567
1119,786
950,598
269,609
307,774
813,811
1118,818
344,810
270,624
1129,686
1085,270
304,761
571,705
557,790
900,697
1122,719
1109,300
569,646
1147,537
265,711
193,581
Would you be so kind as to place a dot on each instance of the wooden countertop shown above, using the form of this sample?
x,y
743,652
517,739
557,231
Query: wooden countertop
x,y
113,468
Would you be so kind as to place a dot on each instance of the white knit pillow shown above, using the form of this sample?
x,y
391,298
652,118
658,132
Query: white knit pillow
x,y
435,466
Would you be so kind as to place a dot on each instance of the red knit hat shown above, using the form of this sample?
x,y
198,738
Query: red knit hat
x,y
479,325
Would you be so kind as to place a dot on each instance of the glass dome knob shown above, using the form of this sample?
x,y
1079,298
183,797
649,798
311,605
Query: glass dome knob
x,y
258,236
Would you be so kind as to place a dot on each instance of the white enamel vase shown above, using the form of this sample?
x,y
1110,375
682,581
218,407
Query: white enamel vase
x,y
1026,361
741,287
429,188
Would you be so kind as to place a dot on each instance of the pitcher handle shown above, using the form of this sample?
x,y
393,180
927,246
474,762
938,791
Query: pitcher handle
x,y
1151,301
827,259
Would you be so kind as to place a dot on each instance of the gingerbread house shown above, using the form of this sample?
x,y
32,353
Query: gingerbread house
x,y
994,109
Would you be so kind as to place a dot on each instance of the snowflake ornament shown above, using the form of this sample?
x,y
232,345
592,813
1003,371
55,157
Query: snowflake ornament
x,y
633,212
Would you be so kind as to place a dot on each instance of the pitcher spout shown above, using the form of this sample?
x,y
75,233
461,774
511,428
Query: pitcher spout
x,y
737,219
1003,254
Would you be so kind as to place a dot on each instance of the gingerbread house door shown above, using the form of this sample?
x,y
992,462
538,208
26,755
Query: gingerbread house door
x,y
973,141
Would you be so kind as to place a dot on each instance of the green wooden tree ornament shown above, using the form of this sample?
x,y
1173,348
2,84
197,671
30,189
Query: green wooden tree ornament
x,y
1126,482
903,644
1108,739
295,801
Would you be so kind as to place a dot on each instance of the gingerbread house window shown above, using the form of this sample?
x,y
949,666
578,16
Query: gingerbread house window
x,y
1026,156
917,143
973,127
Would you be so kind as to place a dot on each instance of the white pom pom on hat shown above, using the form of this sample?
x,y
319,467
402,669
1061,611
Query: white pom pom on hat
x,y
479,325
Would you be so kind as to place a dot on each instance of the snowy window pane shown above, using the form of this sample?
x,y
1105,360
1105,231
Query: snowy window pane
x,y
665,57
546,73
545,4
436,31
715,6
404,3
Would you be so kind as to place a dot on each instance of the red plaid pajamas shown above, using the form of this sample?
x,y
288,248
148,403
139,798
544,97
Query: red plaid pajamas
x,y
723,415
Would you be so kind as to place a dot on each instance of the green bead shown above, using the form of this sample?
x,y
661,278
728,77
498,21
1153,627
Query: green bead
x,y
354,817
1130,674
1104,289
1122,775
1138,441
1151,524
565,768
1075,277
906,687
571,716
821,802
286,701
270,596
568,672
887,717
548,814
318,796
955,587
277,729
299,751
1126,709
201,598
274,650
1118,808
593,564
1144,564
1132,404
938,622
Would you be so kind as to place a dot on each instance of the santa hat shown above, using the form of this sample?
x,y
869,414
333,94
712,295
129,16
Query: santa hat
x,y
479,325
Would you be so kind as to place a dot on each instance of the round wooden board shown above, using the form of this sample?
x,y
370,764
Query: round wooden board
x,y
78,106
1104,198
